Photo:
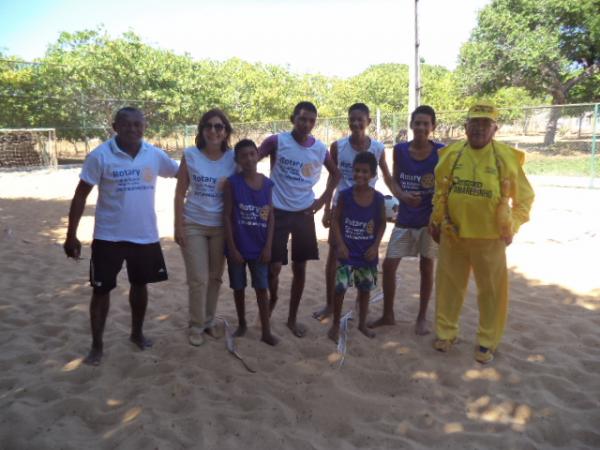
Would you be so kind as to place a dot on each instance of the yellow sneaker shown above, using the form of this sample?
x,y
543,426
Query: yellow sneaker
x,y
444,345
484,355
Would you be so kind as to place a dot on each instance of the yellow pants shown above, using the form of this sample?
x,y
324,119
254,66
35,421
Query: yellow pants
x,y
487,258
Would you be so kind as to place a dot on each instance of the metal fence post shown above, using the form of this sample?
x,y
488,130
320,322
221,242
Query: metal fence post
x,y
594,142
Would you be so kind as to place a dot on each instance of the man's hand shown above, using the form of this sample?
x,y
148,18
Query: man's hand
x,y
507,240
317,204
342,251
411,199
235,256
179,235
434,231
326,217
72,247
265,255
372,252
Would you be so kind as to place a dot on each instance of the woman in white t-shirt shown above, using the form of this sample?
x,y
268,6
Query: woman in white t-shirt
x,y
199,218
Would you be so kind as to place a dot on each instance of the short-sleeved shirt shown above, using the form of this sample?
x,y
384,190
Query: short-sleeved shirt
x,y
250,219
295,171
359,227
126,188
416,177
204,199
345,158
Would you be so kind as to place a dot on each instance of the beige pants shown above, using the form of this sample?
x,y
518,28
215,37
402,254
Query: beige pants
x,y
204,262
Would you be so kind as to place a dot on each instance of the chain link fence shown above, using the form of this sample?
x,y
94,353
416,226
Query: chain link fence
x,y
560,141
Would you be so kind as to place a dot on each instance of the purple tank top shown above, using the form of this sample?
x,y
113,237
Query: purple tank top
x,y
251,209
359,226
415,176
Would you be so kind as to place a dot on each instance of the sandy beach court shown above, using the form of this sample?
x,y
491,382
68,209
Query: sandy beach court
x,y
394,391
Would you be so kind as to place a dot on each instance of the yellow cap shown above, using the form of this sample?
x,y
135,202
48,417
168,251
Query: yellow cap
x,y
484,110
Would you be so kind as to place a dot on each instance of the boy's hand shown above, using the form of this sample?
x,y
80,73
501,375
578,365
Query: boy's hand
x,y
235,256
342,251
179,235
507,240
434,231
265,255
72,247
411,199
372,252
326,218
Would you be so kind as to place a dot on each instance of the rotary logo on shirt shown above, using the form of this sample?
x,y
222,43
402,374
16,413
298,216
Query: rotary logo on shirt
x,y
427,180
220,183
370,227
148,175
264,212
307,169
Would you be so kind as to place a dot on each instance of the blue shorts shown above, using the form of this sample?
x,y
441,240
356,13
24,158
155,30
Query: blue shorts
x,y
237,275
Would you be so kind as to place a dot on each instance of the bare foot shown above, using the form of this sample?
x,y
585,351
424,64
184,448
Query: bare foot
x,y
142,342
334,333
269,339
383,320
421,328
322,313
298,329
93,358
241,330
366,331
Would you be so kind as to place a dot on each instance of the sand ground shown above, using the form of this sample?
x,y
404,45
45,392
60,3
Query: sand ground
x,y
394,391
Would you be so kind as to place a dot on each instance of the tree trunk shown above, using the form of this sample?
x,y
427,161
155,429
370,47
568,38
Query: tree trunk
x,y
558,98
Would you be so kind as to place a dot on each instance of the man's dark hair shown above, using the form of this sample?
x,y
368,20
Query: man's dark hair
x,y
423,109
127,110
306,106
360,107
366,158
241,144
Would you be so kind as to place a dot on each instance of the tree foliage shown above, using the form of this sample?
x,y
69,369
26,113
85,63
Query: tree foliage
x,y
86,76
548,47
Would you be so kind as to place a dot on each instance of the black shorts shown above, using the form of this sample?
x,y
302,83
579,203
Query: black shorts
x,y
145,264
301,225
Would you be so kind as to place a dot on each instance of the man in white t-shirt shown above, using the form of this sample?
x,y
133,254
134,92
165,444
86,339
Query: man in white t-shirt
x,y
125,169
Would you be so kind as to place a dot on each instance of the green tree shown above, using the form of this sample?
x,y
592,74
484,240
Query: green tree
x,y
549,47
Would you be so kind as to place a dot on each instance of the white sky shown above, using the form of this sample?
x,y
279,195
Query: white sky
x,y
333,37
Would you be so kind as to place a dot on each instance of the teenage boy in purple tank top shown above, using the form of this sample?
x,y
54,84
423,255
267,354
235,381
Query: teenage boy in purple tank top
x,y
413,171
248,220
296,162
358,225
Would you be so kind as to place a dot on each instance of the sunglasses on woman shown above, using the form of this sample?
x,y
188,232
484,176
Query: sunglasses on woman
x,y
218,127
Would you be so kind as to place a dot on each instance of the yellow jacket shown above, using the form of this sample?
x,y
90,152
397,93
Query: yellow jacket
x,y
481,194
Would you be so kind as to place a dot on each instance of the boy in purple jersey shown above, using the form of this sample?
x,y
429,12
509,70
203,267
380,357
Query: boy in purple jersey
x,y
343,152
248,220
413,171
358,225
296,162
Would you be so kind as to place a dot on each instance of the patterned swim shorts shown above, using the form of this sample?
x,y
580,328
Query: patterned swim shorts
x,y
363,278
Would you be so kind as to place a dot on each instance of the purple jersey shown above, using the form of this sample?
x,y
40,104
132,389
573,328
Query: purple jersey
x,y
415,176
251,208
359,226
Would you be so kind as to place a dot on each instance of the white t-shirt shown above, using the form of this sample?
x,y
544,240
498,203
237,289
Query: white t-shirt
x,y
204,199
295,172
345,156
126,187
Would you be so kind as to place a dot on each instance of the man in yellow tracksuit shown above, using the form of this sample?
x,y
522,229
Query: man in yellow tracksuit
x,y
482,198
